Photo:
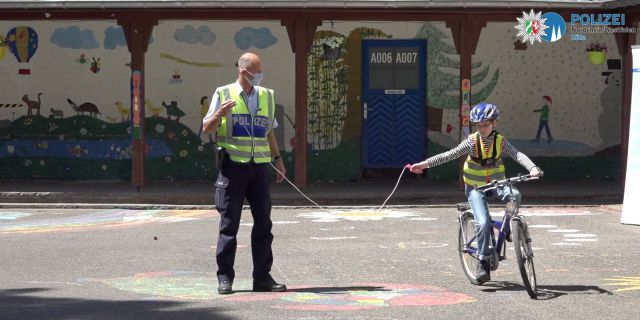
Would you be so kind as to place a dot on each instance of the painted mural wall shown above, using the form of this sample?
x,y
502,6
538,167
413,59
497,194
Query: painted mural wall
x,y
60,83
68,116
65,103
558,107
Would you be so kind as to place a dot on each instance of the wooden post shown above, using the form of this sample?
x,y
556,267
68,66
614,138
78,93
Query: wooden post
x,y
301,33
624,41
137,32
466,34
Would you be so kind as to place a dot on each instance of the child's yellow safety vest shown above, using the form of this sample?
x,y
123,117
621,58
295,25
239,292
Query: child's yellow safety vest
x,y
482,167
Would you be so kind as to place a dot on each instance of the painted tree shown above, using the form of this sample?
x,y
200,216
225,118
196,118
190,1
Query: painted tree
x,y
443,71
327,89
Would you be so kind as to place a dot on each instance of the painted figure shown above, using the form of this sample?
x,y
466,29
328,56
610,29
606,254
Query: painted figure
x,y
544,120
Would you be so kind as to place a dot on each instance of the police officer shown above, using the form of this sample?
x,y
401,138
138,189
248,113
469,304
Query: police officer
x,y
242,116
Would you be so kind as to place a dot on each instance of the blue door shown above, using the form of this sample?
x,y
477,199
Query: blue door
x,y
394,102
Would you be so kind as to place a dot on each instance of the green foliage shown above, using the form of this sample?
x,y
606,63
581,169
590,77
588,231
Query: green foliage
x,y
38,127
327,94
479,96
339,164
440,52
189,158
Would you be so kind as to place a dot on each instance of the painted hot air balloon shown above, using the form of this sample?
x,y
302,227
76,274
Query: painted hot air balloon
x,y
23,43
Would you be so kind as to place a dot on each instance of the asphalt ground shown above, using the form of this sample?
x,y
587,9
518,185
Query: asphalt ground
x,y
350,263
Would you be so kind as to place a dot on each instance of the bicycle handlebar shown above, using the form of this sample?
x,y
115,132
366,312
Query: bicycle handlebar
x,y
509,181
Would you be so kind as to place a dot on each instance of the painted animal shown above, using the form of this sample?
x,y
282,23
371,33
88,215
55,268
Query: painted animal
x,y
155,111
173,110
32,104
89,107
112,119
123,111
56,114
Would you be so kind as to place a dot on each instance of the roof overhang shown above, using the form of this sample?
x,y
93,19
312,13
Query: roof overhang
x,y
308,4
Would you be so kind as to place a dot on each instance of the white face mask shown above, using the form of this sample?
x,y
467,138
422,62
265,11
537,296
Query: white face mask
x,y
257,78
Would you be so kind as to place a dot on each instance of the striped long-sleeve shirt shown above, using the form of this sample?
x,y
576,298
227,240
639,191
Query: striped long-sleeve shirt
x,y
467,147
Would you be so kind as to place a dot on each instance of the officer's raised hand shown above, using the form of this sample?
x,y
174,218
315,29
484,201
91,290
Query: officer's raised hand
x,y
225,107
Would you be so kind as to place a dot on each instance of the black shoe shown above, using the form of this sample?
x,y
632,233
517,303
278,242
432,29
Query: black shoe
x,y
268,285
225,287
483,272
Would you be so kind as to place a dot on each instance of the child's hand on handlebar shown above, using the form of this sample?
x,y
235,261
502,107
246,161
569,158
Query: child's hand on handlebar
x,y
536,172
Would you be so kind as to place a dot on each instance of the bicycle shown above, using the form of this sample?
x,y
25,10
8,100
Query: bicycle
x,y
511,220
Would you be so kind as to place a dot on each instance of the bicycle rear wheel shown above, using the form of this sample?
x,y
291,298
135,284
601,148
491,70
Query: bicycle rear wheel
x,y
524,256
468,247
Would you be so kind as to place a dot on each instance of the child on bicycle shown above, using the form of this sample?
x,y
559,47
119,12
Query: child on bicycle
x,y
483,165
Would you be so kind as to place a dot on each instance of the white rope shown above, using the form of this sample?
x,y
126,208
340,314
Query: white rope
x,y
394,189
315,203
300,191
326,209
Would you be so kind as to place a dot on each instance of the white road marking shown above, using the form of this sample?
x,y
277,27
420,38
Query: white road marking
x,y
564,230
332,238
285,222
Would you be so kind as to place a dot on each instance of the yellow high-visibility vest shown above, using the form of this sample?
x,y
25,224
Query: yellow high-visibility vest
x,y
243,135
474,173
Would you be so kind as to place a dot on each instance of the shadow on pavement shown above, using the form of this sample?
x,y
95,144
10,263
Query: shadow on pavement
x,y
551,292
329,290
338,290
23,304
546,292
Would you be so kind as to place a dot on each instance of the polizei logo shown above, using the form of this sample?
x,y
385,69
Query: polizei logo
x,y
537,27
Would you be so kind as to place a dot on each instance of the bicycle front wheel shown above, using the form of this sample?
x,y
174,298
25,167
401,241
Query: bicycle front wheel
x,y
468,247
524,257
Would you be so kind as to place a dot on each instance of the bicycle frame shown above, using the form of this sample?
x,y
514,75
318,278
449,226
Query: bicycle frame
x,y
504,225
504,228
511,228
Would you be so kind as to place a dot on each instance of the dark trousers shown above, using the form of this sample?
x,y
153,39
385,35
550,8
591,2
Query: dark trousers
x,y
235,182
544,124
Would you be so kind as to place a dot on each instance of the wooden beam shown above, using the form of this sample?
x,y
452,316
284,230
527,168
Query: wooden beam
x,y
466,34
290,25
301,33
335,14
137,33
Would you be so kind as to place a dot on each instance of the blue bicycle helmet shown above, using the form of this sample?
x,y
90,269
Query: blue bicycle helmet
x,y
484,111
